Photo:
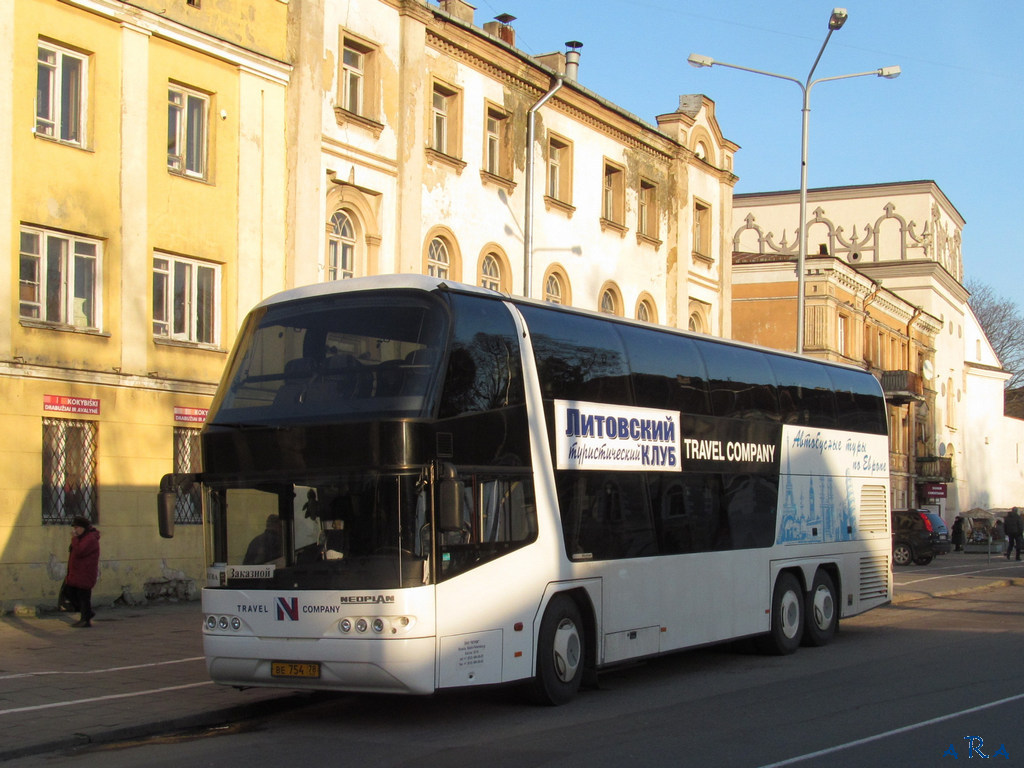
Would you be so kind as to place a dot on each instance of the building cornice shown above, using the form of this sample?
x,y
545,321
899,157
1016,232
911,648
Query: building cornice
x,y
154,24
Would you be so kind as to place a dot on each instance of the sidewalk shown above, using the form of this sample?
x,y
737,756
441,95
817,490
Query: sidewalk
x,y
139,671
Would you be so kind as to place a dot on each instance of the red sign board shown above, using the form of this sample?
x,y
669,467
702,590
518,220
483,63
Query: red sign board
x,y
184,415
64,404
934,490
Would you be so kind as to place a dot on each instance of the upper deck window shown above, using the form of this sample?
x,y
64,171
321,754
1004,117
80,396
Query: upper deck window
x,y
347,357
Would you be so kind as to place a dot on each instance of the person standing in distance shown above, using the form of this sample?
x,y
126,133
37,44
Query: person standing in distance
x,y
83,566
1014,527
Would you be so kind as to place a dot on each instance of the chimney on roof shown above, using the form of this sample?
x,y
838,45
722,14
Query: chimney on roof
x,y
572,60
460,9
502,29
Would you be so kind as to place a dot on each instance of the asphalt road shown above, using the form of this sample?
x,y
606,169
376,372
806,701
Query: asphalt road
x,y
924,682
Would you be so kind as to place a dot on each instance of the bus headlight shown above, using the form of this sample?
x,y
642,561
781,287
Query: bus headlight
x,y
361,625
346,625
378,625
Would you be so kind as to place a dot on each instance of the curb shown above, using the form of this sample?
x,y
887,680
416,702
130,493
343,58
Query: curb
x,y
208,719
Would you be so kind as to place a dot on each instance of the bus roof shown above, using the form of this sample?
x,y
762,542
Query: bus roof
x,y
429,284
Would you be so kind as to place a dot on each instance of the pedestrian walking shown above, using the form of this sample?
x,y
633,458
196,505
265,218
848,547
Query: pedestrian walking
x,y
1014,529
83,567
958,534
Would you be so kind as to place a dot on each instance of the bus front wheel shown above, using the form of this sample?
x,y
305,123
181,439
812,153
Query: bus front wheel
x,y
560,652
821,616
787,617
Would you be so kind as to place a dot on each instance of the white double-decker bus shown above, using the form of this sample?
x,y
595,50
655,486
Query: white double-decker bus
x,y
410,485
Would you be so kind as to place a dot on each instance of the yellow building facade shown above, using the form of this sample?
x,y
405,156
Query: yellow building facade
x,y
145,177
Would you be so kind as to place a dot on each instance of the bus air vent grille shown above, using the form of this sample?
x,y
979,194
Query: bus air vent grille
x,y
874,577
874,511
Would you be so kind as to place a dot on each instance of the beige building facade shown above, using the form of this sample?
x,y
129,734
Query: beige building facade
x,y
422,119
904,315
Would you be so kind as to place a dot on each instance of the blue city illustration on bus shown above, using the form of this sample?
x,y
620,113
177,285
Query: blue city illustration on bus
x,y
818,498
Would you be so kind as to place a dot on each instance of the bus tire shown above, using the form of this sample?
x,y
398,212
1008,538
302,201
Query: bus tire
x,y
560,653
821,616
787,618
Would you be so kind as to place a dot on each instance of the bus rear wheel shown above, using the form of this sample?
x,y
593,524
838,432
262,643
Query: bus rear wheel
x,y
560,653
787,618
821,617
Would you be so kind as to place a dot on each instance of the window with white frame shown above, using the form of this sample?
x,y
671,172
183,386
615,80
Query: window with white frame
x,y
497,147
613,200
438,260
58,278
69,470
559,186
553,290
185,299
445,117
61,78
353,74
341,248
187,129
490,273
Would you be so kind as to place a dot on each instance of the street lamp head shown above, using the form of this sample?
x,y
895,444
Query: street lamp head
x,y
838,18
889,73
696,60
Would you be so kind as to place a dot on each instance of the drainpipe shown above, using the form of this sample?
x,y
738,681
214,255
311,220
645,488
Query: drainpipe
x,y
530,153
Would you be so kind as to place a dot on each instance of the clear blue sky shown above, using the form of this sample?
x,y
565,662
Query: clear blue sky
x,y
955,115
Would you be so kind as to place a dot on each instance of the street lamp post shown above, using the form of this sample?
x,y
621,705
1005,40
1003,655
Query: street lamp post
x,y
836,21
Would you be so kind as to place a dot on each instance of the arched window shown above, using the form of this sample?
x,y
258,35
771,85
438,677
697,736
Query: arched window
x,y
696,323
490,273
644,312
553,289
610,301
341,248
438,260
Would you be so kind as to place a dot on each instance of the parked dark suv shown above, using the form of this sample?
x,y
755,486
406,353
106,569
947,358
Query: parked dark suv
x,y
917,536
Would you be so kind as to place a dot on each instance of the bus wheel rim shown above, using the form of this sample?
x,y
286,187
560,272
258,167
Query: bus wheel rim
x,y
790,614
566,650
823,607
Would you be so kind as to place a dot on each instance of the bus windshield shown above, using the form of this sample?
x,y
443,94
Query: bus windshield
x,y
357,531
343,357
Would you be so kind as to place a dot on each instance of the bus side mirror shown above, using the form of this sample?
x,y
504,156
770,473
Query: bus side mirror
x,y
167,499
165,503
451,501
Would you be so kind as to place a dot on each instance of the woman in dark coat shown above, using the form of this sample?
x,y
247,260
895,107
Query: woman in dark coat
x,y
83,567
958,533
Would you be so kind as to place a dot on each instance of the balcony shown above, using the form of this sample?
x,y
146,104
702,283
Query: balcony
x,y
934,469
902,387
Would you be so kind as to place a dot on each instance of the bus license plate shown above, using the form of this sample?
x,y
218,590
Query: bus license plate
x,y
307,669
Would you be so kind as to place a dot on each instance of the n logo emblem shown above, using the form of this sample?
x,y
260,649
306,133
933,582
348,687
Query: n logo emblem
x,y
288,607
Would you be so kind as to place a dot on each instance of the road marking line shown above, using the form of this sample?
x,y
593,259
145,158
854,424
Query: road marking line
x,y
55,704
887,734
100,671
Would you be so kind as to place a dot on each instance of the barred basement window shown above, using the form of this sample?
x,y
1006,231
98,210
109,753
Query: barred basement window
x,y
69,470
188,509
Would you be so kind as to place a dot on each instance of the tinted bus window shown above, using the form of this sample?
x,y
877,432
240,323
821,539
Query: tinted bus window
x,y
741,382
859,402
605,515
578,358
484,369
805,392
668,371
689,514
